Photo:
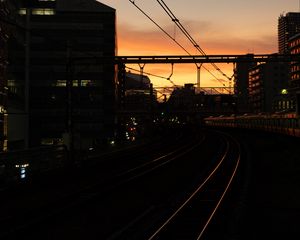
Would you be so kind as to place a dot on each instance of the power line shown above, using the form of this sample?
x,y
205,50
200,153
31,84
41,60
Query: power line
x,y
152,20
153,75
164,31
186,33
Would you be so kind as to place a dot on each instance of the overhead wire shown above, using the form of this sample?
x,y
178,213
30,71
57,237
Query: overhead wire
x,y
163,30
175,20
153,75
186,33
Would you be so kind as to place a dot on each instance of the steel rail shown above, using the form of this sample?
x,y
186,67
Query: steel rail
x,y
87,193
223,195
155,235
160,161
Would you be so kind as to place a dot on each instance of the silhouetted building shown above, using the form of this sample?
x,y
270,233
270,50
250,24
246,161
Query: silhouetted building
x,y
294,46
294,90
267,83
288,26
241,87
139,94
4,36
183,99
69,97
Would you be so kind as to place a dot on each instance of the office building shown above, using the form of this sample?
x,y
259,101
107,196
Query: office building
x,y
4,37
241,84
294,90
294,47
68,96
267,87
288,26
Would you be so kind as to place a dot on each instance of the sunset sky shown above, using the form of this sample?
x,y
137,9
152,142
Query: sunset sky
x,y
218,26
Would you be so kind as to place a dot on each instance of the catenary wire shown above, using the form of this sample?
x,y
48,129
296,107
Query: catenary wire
x,y
186,33
164,31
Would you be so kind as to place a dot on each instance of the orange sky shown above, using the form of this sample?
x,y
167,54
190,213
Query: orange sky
x,y
154,42
218,26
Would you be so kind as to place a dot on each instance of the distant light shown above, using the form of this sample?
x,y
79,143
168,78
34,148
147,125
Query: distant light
x,y
284,91
22,165
112,142
23,172
91,148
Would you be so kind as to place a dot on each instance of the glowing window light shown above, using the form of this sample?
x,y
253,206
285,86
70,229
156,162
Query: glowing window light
x,y
22,11
43,11
22,165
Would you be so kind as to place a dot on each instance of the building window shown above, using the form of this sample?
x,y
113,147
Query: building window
x,y
22,11
61,83
38,11
76,83
43,11
86,83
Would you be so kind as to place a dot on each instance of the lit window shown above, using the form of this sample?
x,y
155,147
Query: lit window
x,y
75,83
61,83
43,11
22,11
85,83
2,109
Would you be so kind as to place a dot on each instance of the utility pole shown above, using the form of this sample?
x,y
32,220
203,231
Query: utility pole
x,y
69,89
27,78
198,76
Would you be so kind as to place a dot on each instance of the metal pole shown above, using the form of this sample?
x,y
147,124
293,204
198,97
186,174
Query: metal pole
x,y
142,73
121,86
27,79
69,87
198,76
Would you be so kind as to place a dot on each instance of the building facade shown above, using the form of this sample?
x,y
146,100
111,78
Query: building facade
x,y
241,84
288,26
294,91
138,93
68,97
4,37
267,85
294,46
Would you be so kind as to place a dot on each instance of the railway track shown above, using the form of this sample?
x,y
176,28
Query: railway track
x,y
191,216
15,225
171,196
